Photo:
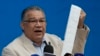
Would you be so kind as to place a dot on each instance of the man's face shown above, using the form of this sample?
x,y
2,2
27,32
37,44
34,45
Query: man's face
x,y
34,25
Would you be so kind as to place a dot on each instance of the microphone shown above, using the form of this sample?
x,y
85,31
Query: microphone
x,y
78,54
68,54
34,55
48,49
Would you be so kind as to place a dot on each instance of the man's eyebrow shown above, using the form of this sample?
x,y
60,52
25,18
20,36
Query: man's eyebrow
x,y
30,19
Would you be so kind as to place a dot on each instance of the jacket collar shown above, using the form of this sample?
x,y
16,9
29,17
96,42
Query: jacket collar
x,y
28,44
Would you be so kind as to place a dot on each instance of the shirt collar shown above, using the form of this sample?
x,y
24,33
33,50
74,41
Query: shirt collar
x,y
35,44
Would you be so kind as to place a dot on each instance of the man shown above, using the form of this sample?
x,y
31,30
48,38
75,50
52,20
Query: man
x,y
32,40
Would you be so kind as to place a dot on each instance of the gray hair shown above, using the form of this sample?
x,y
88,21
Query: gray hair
x,y
30,8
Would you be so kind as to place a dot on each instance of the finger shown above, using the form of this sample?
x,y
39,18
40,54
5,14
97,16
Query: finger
x,y
82,14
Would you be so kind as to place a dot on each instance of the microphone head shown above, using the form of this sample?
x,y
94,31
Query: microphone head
x,y
68,54
34,55
48,49
78,54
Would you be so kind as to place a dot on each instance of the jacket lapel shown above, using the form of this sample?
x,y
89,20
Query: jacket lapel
x,y
28,45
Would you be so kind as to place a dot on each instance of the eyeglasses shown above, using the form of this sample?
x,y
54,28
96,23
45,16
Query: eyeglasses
x,y
30,21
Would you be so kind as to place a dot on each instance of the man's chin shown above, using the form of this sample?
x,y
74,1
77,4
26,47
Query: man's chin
x,y
39,37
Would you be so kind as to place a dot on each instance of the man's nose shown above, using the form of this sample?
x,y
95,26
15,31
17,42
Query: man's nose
x,y
38,24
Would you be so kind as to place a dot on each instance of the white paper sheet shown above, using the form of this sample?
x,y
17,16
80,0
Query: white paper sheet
x,y
71,29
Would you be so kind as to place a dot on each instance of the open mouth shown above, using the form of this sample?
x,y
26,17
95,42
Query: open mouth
x,y
37,31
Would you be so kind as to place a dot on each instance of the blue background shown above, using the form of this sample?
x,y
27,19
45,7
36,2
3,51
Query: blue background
x,y
57,12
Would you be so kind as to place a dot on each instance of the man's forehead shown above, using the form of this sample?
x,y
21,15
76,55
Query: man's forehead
x,y
34,11
34,14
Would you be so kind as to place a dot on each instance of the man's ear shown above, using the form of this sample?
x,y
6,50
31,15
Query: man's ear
x,y
22,25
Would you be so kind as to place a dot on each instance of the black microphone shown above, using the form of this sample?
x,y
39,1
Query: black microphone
x,y
48,49
68,54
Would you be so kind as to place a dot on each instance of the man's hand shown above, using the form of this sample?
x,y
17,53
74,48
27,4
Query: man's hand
x,y
81,20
